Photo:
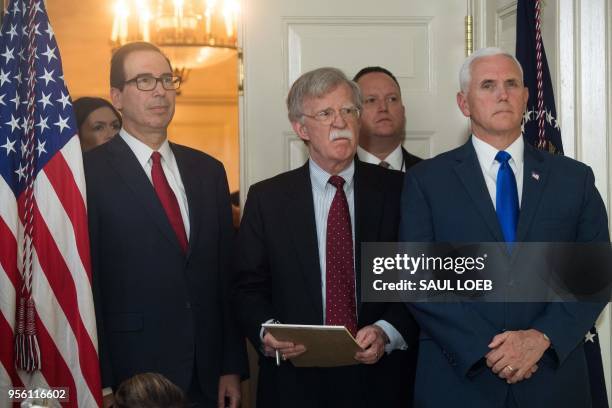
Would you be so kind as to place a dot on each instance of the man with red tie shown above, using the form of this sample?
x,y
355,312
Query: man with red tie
x,y
298,257
160,229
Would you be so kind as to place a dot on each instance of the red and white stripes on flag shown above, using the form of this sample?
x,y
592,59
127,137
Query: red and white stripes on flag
x,y
61,285
40,153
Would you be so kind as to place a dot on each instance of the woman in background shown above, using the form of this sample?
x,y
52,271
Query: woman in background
x,y
98,121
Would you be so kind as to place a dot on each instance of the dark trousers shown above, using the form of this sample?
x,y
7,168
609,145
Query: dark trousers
x,y
195,395
288,386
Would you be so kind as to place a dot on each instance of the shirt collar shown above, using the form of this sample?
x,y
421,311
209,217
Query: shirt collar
x,y
142,151
395,158
486,153
319,177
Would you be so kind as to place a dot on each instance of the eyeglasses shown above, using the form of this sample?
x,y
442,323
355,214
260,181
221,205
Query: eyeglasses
x,y
149,82
328,116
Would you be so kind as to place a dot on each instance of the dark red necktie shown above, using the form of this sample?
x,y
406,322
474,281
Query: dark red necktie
x,y
168,200
340,307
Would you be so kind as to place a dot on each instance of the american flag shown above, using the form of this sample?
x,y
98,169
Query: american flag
x,y
540,125
51,340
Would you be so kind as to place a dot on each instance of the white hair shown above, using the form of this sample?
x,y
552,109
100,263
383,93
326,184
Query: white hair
x,y
315,84
465,73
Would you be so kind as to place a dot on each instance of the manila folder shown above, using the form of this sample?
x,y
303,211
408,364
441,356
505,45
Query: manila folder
x,y
326,346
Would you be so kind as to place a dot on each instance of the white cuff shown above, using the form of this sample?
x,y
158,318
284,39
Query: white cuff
x,y
261,332
396,340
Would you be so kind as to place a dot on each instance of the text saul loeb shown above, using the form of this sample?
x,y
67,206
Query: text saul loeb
x,y
430,266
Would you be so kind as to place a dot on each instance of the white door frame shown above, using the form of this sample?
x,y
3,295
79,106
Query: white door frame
x,y
584,104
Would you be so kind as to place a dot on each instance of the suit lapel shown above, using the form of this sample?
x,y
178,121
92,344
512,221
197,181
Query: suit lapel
x,y
301,218
368,212
469,172
123,160
189,177
535,172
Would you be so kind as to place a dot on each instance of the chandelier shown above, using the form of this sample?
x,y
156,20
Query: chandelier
x,y
192,33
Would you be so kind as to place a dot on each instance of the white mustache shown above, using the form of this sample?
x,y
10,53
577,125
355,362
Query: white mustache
x,y
340,134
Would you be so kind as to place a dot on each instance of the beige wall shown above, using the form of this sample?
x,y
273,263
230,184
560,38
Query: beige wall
x,y
207,110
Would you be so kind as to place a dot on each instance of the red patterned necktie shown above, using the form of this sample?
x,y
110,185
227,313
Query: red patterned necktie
x,y
340,307
168,200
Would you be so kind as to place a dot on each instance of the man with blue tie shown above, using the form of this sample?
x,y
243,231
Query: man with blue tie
x,y
501,354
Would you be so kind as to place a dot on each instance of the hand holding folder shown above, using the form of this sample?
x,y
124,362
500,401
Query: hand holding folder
x,y
326,346
281,350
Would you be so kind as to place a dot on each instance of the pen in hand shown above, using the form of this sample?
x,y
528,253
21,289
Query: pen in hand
x,y
278,358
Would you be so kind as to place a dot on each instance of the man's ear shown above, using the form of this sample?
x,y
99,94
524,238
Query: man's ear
x,y
301,130
463,104
116,96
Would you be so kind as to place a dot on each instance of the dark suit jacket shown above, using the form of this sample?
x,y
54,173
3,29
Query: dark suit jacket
x,y
445,199
409,159
280,277
157,309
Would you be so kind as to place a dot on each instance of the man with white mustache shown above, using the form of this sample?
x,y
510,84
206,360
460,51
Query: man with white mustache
x,y
161,231
340,134
298,246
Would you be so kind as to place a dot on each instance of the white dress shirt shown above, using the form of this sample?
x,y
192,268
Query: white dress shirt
x,y
489,166
395,158
171,170
323,194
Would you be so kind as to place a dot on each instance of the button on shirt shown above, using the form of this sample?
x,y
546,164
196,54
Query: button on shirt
x,y
395,158
323,195
489,166
168,162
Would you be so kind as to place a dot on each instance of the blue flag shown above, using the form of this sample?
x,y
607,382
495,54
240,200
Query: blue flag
x,y
540,126
541,130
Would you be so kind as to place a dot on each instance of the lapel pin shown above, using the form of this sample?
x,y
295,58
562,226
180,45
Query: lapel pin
x,y
535,176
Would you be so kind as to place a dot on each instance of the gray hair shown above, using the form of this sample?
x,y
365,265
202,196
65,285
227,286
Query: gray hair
x,y
465,73
315,84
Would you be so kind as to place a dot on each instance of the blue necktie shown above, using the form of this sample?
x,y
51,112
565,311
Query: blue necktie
x,y
506,200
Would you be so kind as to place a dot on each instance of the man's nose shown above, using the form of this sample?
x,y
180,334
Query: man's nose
x,y
159,88
339,121
502,93
383,106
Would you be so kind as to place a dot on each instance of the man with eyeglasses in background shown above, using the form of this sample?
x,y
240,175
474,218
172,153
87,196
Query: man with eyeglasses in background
x,y
383,121
298,256
160,231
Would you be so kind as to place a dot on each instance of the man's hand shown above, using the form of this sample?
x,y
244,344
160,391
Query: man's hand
x,y
372,340
514,354
108,400
229,386
287,349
